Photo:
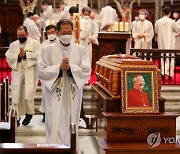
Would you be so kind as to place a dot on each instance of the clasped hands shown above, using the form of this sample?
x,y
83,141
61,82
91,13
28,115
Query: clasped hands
x,y
140,36
65,64
22,53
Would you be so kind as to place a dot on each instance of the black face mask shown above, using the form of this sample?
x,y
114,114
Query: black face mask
x,y
22,40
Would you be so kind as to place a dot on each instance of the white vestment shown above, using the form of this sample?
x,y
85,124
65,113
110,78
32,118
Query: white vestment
x,y
165,29
95,31
85,34
48,13
46,42
108,16
64,14
177,37
32,29
143,27
63,95
24,75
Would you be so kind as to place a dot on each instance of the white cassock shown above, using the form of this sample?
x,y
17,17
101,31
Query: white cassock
x,y
166,29
45,43
32,29
24,75
85,34
143,27
95,31
108,15
63,95
177,37
48,13
64,14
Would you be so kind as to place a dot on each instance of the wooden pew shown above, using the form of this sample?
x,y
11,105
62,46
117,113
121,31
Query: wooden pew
x,y
20,148
4,99
7,124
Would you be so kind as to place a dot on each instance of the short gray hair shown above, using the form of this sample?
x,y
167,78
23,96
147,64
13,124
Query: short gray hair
x,y
143,10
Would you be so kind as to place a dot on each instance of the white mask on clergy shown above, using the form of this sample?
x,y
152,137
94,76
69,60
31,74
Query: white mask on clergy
x,y
86,17
141,17
51,37
136,18
65,39
175,15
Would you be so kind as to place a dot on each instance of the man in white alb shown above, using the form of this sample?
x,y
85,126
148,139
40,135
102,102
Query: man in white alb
x,y
143,32
63,68
22,58
166,28
51,35
108,16
32,28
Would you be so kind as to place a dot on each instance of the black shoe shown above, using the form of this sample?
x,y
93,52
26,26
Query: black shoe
x,y
18,122
43,120
27,119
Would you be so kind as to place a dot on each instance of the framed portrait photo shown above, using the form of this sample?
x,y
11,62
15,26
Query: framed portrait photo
x,y
139,90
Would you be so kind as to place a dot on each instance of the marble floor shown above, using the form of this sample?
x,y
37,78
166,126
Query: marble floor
x,y
35,133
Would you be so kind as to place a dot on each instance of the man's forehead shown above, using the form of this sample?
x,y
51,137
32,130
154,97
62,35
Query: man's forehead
x,y
66,27
21,32
51,29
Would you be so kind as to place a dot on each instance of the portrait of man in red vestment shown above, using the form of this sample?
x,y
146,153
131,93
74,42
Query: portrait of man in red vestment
x,y
137,97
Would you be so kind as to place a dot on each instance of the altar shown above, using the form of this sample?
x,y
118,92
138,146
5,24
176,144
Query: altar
x,y
110,43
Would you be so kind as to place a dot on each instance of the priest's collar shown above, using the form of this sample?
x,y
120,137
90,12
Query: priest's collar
x,y
64,47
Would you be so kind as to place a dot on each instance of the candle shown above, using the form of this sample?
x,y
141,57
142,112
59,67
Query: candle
x,y
126,27
121,26
116,26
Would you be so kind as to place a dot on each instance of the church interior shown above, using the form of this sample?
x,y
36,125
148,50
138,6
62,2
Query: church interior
x,y
108,123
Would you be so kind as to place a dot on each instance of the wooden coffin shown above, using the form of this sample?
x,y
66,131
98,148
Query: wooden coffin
x,y
108,69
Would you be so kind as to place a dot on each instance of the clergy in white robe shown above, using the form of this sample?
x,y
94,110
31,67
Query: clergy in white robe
x,y
51,35
88,31
143,32
63,68
176,16
47,13
22,58
108,16
166,29
85,28
95,30
32,28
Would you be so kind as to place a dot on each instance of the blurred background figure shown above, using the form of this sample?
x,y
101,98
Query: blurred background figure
x,y
27,6
32,28
143,32
108,16
176,16
64,11
134,22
